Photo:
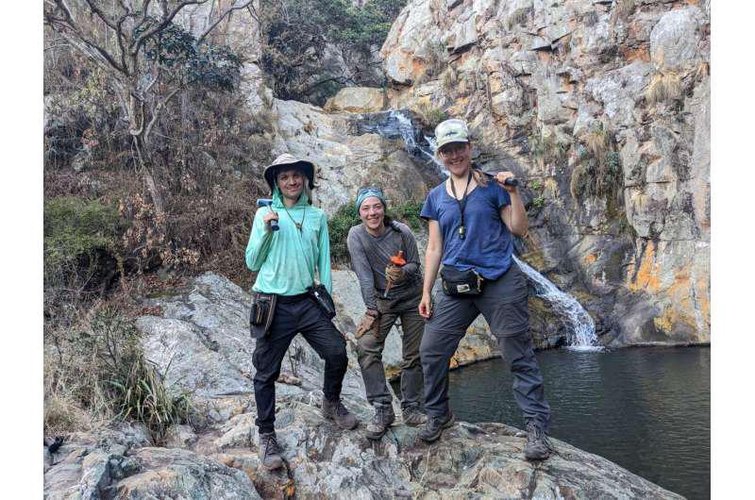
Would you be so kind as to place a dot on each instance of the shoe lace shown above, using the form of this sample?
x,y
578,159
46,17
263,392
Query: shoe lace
x,y
341,409
270,443
536,434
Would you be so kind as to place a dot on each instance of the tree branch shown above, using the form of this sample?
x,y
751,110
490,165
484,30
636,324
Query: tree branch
x,y
158,109
222,16
162,25
101,15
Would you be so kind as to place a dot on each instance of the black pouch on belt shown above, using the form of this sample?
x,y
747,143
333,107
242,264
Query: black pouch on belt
x,y
461,283
322,298
261,315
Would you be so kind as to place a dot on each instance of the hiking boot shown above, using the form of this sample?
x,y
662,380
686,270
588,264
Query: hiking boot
x,y
434,427
382,419
412,416
270,451
336,411
538,446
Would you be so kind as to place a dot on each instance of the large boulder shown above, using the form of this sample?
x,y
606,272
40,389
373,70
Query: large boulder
x,y
357,100
220,459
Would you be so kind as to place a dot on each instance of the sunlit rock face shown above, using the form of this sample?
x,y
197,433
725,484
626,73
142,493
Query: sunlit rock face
x,y
602,108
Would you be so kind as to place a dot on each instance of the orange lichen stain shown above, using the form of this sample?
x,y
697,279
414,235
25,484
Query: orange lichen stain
x,y
671,317
590,258
648,275
703,298
419,67
636,54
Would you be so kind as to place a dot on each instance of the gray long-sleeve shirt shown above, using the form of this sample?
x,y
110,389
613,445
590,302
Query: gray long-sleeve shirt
x,y
371,254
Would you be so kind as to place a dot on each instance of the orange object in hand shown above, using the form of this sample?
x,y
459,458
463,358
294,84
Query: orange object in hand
x,y
396,260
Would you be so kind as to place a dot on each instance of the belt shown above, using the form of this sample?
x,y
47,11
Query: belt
x,y
290,299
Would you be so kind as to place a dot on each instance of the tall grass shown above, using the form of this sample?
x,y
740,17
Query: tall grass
x,y
96,373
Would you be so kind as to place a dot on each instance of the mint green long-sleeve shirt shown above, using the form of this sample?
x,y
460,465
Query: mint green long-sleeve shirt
x,y
287,260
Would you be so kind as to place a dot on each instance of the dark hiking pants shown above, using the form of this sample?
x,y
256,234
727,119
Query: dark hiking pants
x,y
370,353
503,304
297,314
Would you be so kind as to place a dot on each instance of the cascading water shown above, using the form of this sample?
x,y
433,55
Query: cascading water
x,y
581,326
397,124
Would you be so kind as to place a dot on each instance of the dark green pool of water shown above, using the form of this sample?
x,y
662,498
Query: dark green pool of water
x,y
646,409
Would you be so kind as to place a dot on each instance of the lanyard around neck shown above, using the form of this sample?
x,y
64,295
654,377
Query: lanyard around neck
x,y
462,203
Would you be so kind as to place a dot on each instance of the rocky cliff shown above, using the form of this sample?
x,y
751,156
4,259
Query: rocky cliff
x,y
199,340
603,108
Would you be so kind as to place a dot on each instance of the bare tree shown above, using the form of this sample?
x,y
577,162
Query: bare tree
x,y
147,56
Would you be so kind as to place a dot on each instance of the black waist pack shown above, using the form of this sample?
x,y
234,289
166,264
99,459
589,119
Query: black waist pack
x,y
461,283
322,298
261,315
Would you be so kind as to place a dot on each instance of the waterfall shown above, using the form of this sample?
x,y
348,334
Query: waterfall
x,y
397,124
581,335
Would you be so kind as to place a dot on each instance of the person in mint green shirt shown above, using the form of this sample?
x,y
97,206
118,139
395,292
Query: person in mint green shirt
x,y
287,261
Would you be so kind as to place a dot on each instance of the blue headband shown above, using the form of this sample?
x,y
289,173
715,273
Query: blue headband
x,y
365,193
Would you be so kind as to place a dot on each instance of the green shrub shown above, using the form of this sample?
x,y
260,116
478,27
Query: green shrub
x,y
338,228
81,249
408,213
74,227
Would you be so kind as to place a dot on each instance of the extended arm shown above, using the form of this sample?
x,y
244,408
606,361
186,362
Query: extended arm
x,y
433,257
323,260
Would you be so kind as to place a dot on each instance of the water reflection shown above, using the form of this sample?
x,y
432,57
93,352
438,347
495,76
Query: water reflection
x,y
647,409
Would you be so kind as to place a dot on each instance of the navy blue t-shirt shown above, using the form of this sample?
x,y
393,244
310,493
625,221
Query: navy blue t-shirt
x,y
488,244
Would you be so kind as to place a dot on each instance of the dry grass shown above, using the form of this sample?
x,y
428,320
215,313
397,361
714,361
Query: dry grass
x,y
597,142
96,372
598,171
664,87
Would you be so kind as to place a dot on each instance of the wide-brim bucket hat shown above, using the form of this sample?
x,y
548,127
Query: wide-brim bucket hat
x,y
288,161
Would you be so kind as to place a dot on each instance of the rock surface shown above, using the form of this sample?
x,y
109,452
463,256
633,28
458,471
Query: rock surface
x,y
220,460
538,82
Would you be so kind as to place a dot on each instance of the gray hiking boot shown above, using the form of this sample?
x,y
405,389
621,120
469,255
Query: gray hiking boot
x,y
382,419
270,451
336,411
538,446
434,427
413,416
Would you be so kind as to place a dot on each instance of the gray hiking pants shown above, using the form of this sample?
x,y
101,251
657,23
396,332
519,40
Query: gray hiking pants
x,y
370,353
503,304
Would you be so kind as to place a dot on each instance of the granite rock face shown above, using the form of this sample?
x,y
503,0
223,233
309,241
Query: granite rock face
x,y
219,458
541,83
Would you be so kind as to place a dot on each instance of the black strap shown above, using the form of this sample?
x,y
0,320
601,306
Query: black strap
x,y
462,203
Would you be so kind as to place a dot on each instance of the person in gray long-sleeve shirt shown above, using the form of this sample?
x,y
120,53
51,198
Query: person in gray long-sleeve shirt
x,y
390,291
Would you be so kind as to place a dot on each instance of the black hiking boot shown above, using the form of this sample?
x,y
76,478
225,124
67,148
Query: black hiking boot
x,y
381,421
434,427
538,446
270,451
413,416
336,411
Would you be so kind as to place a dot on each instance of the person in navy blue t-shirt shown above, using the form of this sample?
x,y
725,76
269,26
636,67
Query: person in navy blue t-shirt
x,y
472,217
